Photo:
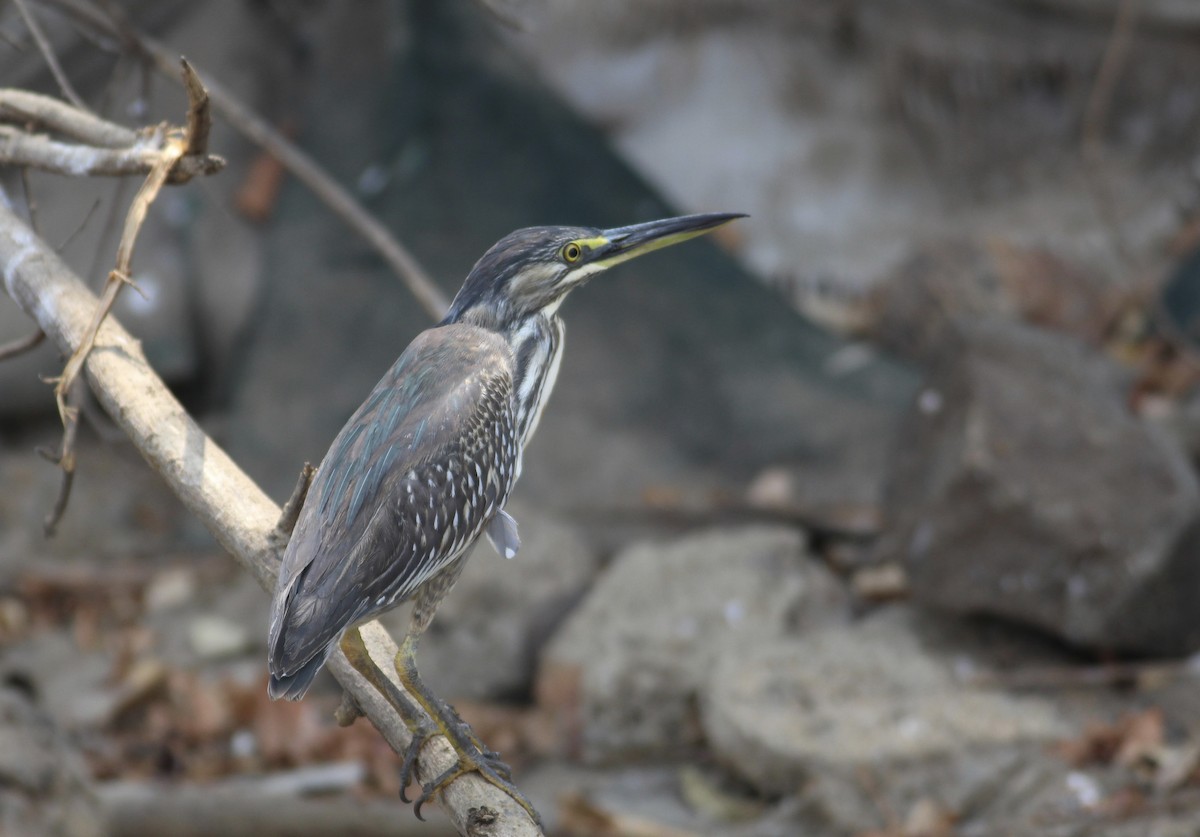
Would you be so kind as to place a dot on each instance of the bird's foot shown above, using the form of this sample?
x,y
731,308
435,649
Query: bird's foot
x,y
426,717
473,757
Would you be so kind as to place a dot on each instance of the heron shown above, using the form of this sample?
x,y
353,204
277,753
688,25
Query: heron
x,y
425,466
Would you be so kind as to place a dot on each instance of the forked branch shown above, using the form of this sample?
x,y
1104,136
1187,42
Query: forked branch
x,y
168,154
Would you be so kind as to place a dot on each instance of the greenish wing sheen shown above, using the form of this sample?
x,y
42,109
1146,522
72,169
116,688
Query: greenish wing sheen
x,y
411,481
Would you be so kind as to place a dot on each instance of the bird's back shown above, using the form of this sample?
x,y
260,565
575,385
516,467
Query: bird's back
x,y
407,485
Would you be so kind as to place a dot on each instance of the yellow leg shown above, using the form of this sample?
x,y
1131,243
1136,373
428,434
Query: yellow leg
x,y
426,716
473,756
355,649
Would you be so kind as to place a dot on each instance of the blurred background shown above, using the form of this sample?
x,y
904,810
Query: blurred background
x,y
874,514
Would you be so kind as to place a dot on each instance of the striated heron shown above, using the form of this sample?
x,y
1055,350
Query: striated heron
x,y
426,464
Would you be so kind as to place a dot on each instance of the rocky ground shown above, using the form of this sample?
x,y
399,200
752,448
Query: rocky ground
x,y
727,681
931,577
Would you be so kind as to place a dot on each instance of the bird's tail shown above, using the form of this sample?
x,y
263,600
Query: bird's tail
x,y
291,672
294,684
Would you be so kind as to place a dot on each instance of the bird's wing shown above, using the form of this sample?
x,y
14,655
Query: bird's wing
x,y
408,483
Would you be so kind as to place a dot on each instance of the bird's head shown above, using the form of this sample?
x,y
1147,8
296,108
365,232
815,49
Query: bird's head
x,y
531,271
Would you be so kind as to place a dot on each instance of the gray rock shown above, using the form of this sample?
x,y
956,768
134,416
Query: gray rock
x,y
489,631
816,711
1026,488
626,666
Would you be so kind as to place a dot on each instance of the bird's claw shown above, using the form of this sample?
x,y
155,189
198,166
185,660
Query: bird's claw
x,y
473,757
410,761
487,765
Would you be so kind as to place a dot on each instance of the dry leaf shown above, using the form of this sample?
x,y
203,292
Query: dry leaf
x,y
929,818
1134,738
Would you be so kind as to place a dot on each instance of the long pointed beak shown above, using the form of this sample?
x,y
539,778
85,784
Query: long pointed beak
x,y
621,244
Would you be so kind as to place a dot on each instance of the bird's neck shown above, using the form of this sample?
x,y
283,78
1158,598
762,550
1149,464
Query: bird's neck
x,y
537,343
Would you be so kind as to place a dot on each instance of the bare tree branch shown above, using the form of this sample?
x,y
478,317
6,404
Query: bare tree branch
x,y
228,502
23,107
22,345
121,275
21,149
67,394
260,132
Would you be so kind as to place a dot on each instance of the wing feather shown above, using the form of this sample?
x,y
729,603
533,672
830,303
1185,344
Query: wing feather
x,y
419,455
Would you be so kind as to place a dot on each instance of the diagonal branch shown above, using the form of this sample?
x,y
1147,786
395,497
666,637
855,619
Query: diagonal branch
x,y
252,126
21,149
229,503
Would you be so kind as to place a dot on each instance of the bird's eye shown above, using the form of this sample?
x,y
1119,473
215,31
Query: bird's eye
x,y
572,253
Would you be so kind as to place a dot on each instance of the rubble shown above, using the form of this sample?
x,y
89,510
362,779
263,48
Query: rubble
x,y
637,649
812,712
1025,487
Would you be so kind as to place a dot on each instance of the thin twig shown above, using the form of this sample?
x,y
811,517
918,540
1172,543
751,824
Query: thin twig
x,y
335,196
22,345
80,227
111,219
35,29
174,149
30,200
65,460
1096,117
119,276
67,393
259,131
293,506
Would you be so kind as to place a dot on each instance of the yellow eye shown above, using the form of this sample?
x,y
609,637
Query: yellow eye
x,y
572,253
